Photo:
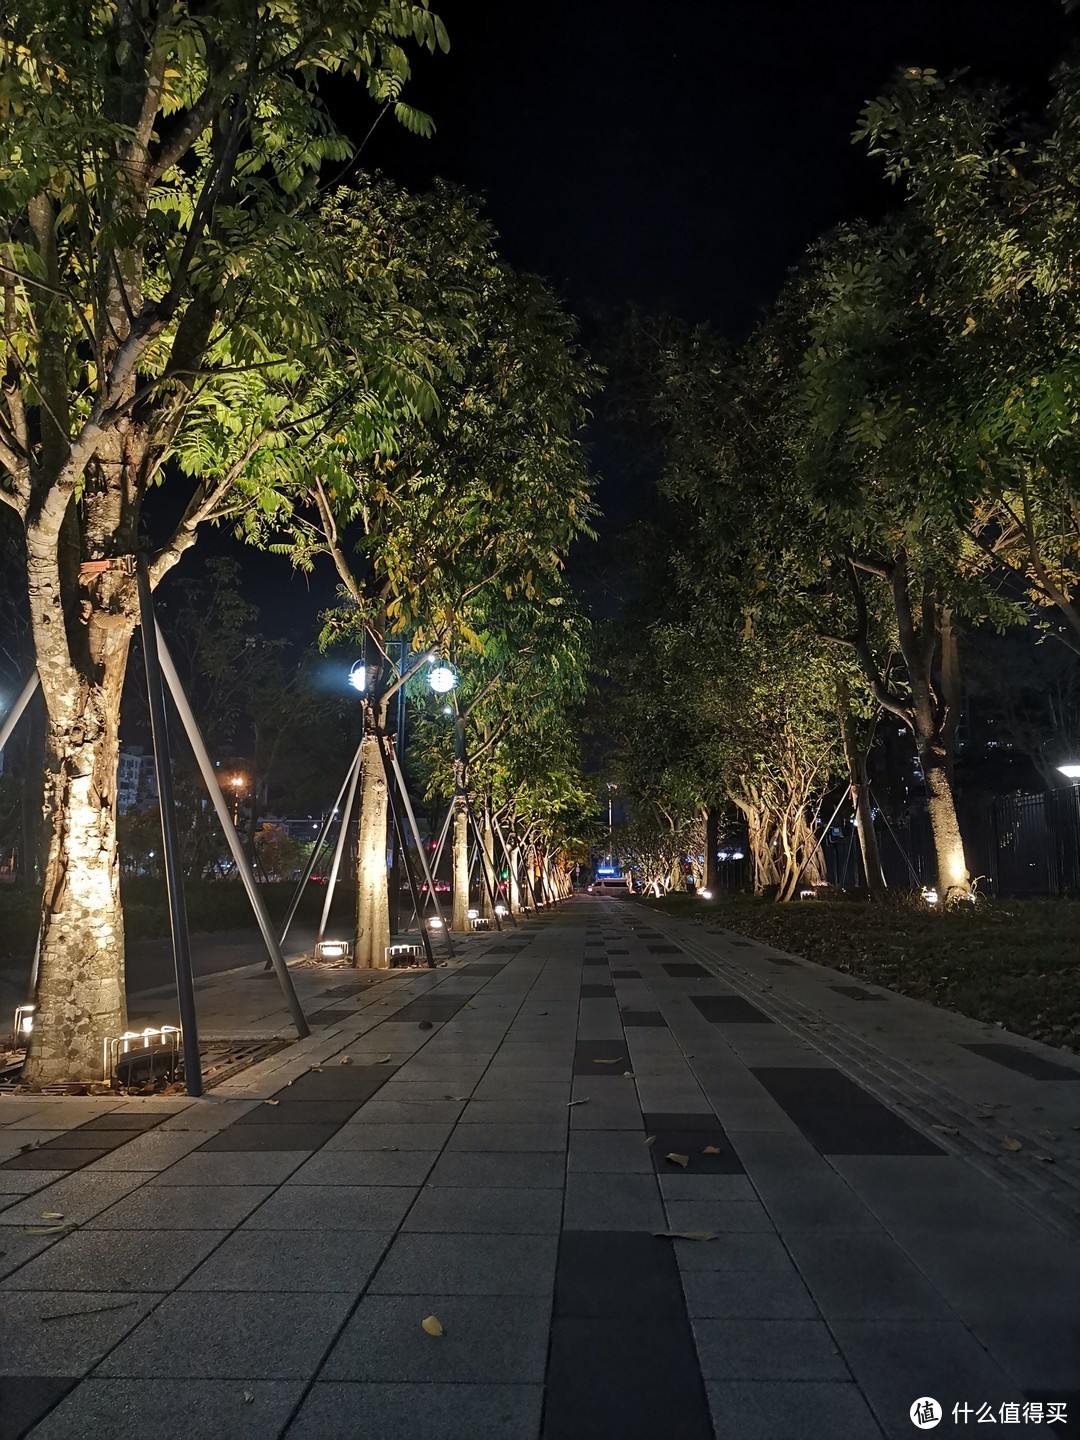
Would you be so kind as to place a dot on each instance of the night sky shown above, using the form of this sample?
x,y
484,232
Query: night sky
x,y
674,157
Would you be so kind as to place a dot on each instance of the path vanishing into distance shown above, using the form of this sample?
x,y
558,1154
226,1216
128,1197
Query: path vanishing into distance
x,y
608,1174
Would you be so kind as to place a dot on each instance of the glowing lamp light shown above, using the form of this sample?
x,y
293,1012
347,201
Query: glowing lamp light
x,y
24,1022
930,895
358,676
114,1046
472,914
807,894
1071,771
501,910
333,949
705,894
435,923
737,855
442,679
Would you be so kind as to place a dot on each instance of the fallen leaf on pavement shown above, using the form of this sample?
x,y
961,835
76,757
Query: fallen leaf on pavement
x,y
43,1229
426,1025
383,1060
608,1062
711,1150
249,1398
682,1160
1046,1159
51,1215
1011,1144
432,1326
628,1074
388,1147
650,1139
684,1235
345,1060
946,1129
271,1102
584,1101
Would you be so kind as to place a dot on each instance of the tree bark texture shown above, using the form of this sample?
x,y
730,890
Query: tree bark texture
x,y
372,896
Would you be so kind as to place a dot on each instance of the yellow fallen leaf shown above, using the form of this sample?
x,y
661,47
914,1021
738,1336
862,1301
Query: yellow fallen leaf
x,y
432,1326
271,1102
650,1139
43,1229
946,1129
345,1060
1011,1144
682,1160
684,1234
383,1060
616,1061
628,1074
387,1147
711,1150
51,1215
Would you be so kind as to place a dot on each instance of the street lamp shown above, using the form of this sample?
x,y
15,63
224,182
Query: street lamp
x,y
237,783
1071,770
358,676
442,679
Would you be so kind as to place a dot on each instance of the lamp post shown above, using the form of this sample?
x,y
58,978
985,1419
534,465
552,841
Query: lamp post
x,y
237,783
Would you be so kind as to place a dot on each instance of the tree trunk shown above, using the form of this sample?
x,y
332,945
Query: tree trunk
x,y
488,888
855,755
460,916
712,843
515,881
953,877
372,900
80,993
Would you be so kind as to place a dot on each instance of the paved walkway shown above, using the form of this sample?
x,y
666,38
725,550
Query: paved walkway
x,y
496,1145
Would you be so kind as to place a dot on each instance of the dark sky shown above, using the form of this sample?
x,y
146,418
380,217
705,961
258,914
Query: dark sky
x,y
678,156
684,155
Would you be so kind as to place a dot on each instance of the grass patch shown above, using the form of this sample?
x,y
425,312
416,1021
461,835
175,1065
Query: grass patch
x,y
1012,963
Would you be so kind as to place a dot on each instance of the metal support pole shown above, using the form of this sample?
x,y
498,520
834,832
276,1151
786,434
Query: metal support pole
x,y
309,868
414,889
14,715
506,856
353,780
406,804
483,862
170,845
206,768
443,833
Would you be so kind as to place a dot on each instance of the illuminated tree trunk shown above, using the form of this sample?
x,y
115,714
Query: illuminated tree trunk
x,y
460,918
372,896
515,881
487,851
82,616
712,844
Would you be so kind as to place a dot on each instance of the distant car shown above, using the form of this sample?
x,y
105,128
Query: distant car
x,y
609,885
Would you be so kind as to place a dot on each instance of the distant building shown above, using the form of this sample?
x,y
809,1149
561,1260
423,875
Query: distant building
x,y
136,781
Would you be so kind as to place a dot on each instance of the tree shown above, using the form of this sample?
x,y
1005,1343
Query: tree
x,y
157,164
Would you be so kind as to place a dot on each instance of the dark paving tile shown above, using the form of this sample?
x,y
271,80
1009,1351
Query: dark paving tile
x,y
643,1019
595,960
338,1082
24,1399
107,1409
481,969
855,992
692,1143
43,1159
610,1272
681,1120
820,1084
792,1410
626,974
300,1112
614,1376
340,1410
270,1137
76,1140
687,971
729,1010
588,1052
436,1008
598,992
613,951
667,950
1013,1057
774,959
860,1130
126,1120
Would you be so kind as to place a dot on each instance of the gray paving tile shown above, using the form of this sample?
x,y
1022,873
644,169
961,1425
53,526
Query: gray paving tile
x,y
366,1167
508,1137
609,1152
721,1216
26,1182
773,1293
793,1410
732,1250
515,1112
294,1260
388,1137
343,1411
499,1212
613,1202
539,1170
154,1151
767,1350
894,1362
77,1197
706,1187
17,1247
97,1409
821,1203
238,1167
334,1207
487,1339
152,1260
182,1207
269,1336
209,1114
468,1264
409,1112
864,1277
62,1332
